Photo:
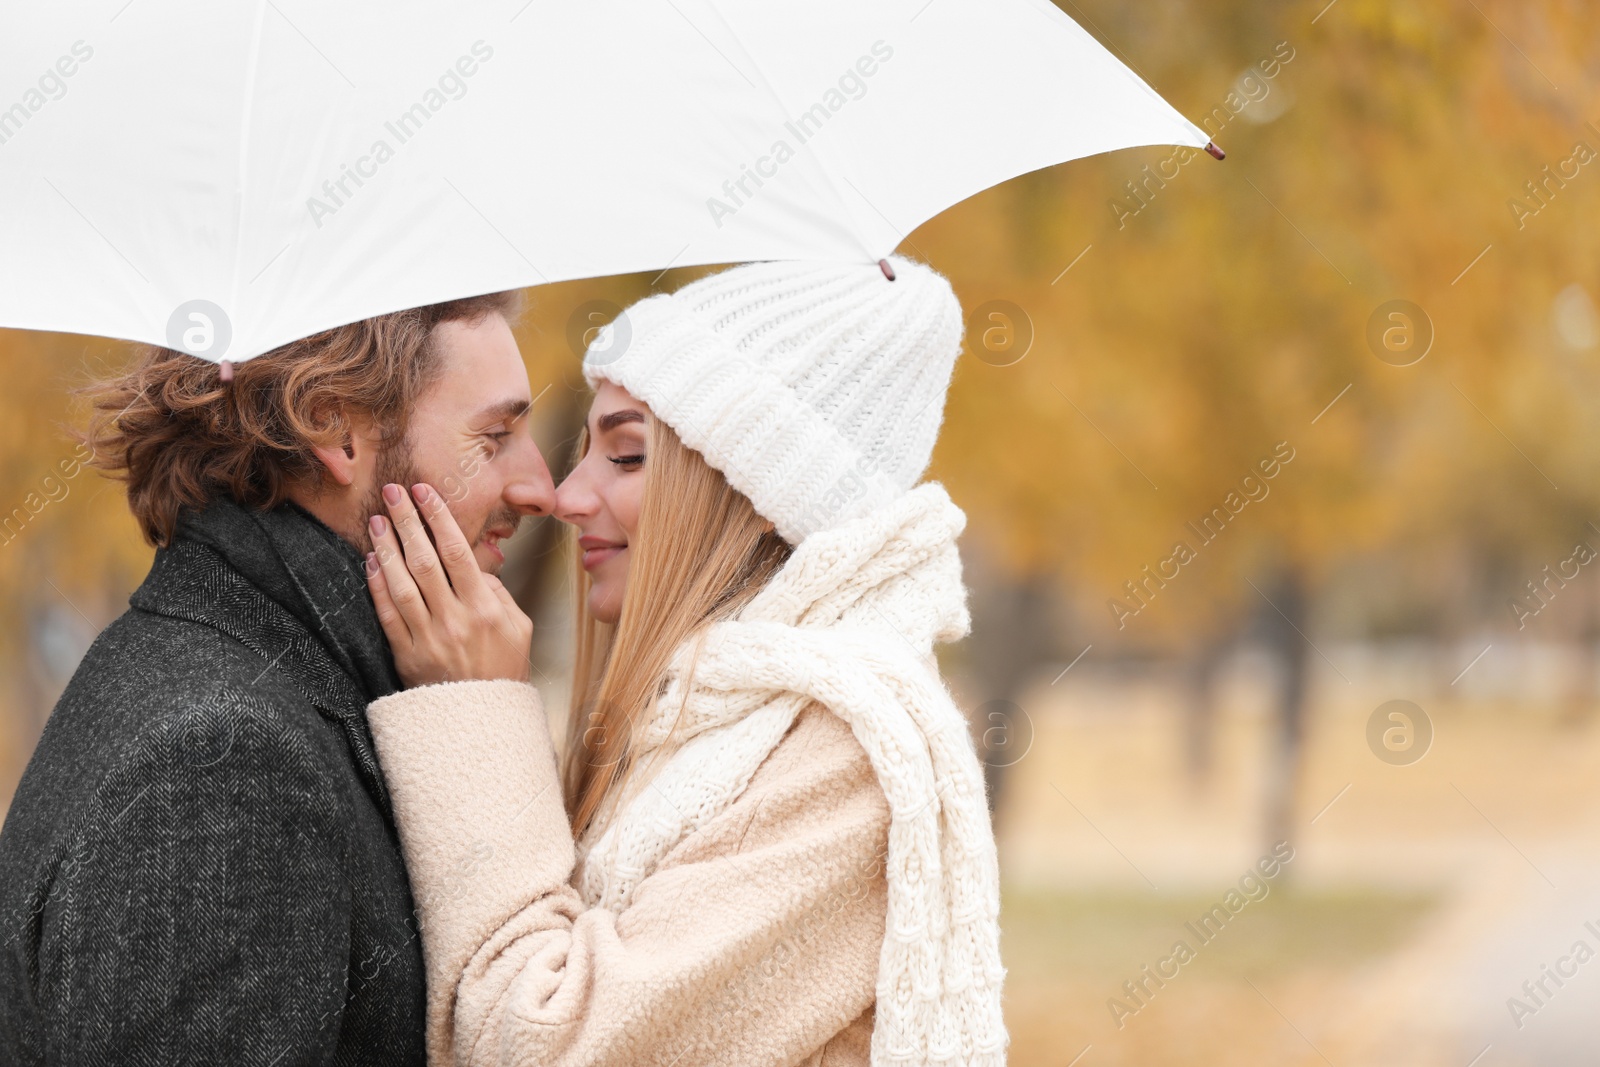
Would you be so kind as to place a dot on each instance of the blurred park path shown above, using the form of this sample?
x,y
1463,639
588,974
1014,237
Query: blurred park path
x,y
1419,899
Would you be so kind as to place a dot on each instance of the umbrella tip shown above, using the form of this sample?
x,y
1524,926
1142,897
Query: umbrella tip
x,y
888,271
1211,146
225,370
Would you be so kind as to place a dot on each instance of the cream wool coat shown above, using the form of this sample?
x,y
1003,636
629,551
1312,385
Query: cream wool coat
x,y
755,942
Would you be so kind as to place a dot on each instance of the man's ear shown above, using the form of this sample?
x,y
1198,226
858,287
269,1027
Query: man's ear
x,y
339,461
346,459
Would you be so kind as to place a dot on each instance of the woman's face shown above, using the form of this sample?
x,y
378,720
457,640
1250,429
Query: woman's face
x,y
602,495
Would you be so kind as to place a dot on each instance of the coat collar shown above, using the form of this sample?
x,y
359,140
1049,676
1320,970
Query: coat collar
x,y
289,589
309,571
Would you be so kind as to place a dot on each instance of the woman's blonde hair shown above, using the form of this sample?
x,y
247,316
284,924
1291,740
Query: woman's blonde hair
x,y
700,552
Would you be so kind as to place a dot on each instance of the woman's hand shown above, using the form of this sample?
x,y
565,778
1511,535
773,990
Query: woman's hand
x,y
446,620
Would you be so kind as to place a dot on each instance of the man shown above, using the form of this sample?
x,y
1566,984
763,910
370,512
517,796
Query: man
x,y
200,864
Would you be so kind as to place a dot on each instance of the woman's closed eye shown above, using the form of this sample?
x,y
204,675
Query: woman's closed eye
x,y
627,462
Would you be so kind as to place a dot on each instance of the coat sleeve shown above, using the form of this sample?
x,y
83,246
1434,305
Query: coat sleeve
x,y
201,915
755,941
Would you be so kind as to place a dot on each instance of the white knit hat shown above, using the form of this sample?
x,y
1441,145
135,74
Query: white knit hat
x,y
817,389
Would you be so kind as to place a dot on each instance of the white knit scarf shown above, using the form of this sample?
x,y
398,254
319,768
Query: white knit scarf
x,y
850,622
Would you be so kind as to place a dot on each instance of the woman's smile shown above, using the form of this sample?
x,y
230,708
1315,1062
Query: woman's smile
x,y
597,550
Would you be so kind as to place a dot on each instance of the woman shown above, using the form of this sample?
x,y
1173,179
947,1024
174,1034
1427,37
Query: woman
x,y
783,853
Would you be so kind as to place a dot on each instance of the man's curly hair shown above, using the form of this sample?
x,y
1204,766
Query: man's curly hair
x,y
177,435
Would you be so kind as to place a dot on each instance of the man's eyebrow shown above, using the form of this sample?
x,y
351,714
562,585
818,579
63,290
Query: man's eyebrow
x,y
612,419
505,409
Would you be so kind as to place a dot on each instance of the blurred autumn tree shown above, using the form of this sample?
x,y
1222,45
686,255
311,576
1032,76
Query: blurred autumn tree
x,y
69,550
1212,311
1188,321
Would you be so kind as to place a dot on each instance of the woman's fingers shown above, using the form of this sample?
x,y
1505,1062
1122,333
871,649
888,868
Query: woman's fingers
x,y
389,617
515,629
502,594
421,559
515,625
400,586
474,630
460,565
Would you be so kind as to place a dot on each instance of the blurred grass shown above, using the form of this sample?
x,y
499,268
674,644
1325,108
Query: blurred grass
x,y
1069,952
1064,934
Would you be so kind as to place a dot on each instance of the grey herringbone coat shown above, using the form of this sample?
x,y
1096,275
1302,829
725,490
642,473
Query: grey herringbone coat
x,y
200,864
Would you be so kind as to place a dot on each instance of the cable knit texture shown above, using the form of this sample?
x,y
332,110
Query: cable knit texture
x,y
849,622
817,389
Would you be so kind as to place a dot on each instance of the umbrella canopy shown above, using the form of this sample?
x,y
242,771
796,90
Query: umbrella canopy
x,y
225,178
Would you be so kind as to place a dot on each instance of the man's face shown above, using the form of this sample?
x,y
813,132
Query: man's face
x,y
469,438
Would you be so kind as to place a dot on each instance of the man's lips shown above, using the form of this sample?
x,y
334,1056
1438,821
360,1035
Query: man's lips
x,y
596,550
492,539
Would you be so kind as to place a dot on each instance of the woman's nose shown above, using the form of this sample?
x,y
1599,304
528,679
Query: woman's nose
x,y
575,500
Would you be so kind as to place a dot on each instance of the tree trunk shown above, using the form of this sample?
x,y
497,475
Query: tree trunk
x,y
1012,634
1286,624
1579,706
1200,709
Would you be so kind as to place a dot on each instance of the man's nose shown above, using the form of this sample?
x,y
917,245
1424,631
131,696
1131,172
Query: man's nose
x,y
531,490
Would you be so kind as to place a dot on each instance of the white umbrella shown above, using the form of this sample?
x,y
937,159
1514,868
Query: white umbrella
x,y
226,177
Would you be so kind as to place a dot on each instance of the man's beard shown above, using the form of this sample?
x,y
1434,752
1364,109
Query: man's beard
x,y
394,467
397,467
